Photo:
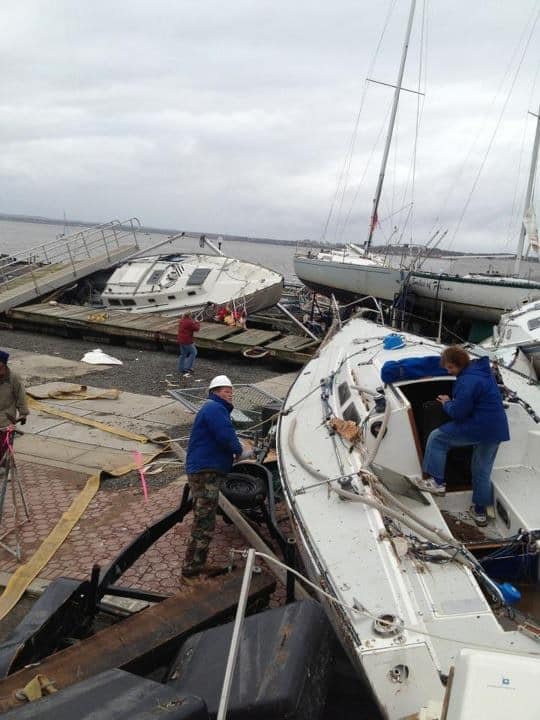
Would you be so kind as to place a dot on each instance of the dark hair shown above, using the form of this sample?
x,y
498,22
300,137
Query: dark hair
x,y
455,355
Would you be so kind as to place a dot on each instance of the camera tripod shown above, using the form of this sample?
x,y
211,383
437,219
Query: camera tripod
x,y
9,477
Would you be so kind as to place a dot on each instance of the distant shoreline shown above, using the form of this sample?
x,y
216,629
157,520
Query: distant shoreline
x,y
148,229
306,243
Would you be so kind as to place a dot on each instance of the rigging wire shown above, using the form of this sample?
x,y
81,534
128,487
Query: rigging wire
x,y
343,179
362,610
499,119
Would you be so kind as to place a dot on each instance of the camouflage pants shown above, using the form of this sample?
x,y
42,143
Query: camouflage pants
x,y
204,488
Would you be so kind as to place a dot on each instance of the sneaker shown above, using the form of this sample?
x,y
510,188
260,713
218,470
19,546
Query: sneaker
x,y
186,374
479,515
429,485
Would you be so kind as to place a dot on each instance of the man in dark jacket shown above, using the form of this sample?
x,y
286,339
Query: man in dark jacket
x,y
212,448
477,417
188,352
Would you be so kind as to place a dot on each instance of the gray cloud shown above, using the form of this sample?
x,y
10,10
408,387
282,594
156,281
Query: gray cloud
x,y
235,117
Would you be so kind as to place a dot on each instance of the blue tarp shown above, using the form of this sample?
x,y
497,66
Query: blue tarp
x,y
412,368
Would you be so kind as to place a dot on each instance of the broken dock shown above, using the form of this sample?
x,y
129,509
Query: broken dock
x,y
27,276
155,331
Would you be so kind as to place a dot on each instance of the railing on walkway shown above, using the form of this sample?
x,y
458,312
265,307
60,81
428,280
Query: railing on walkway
x,y
67,251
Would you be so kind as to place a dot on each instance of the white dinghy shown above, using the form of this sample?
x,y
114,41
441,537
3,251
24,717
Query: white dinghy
x,y
407,593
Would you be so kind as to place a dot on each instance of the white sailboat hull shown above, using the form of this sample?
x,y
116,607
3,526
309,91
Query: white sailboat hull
x,y
348,281
352,550
477,298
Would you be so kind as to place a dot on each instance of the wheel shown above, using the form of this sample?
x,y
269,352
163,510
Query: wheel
x,y
243,490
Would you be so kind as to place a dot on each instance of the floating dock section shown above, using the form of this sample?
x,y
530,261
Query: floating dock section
x,y
155,331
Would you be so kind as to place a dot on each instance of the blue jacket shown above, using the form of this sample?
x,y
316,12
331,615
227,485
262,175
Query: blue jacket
x,y
213,441
476,408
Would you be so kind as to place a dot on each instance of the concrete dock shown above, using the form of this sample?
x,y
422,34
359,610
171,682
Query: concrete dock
x,y
55,457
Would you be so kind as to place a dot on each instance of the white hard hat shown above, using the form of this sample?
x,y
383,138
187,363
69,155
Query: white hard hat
x,y
219,381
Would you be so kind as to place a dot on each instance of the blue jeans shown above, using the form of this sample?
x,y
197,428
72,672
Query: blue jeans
x,y
483,457
187,356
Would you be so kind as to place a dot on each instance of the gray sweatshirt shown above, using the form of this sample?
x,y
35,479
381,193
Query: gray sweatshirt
x,y
12,398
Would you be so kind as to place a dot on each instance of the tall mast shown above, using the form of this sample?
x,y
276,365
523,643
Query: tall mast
x,y
395,103
528,197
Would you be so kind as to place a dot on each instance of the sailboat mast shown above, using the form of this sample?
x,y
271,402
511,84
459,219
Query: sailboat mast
x,y
391,124
528,197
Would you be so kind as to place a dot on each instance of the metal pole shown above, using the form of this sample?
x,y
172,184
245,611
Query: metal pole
x,y
441,311
235,641
391,123
295,320
528,197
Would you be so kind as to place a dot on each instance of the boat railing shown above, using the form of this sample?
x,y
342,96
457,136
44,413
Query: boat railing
x,y
68,251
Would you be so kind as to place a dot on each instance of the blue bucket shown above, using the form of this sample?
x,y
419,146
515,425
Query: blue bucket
x,y
393,342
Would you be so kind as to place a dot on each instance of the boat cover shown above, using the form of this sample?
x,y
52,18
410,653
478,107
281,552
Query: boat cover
x,y
412,368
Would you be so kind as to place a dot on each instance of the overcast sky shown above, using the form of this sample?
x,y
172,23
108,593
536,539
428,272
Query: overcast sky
x,y
235,117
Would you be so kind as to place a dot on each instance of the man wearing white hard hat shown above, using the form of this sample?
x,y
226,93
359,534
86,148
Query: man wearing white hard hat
x,y
213,447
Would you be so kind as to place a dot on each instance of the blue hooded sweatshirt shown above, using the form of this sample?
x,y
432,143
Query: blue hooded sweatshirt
x,y
476,408
213,441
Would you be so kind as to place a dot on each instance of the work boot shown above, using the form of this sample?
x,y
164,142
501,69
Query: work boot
x,y
211,571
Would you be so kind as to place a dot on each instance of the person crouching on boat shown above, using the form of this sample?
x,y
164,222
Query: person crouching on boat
x,y
478,418
212,448
188,352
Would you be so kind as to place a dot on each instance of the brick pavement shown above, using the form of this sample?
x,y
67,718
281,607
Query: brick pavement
x,y
111,520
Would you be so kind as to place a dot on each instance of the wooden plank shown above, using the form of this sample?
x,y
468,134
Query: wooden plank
x,y
253,337
290,342
215,331
189,611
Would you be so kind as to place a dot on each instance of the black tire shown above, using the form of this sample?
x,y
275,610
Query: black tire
x,y
243,490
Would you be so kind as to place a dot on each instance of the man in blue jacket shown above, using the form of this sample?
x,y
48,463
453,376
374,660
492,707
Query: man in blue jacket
x,y
478,418
213,446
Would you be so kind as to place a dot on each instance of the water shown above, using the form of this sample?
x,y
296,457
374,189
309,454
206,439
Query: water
x,y
18,237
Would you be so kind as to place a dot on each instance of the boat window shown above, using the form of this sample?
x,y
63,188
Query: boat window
x,y
113,301
171,297
155,277
152,300
198,276
533,324
508,334
128,302
344,393
192,292
350,413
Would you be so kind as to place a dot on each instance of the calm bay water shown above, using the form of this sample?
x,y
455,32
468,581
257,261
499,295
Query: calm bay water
x,y
18,237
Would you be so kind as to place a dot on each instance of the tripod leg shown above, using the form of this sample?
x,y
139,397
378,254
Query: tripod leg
x,y
16,479
9,471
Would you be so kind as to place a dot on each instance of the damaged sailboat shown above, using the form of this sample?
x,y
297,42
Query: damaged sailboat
x,y
410,579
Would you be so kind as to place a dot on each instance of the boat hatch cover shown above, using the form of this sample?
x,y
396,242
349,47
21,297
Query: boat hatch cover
x,y
198,276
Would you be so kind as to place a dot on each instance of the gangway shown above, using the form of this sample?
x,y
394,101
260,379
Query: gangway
x,y
29,275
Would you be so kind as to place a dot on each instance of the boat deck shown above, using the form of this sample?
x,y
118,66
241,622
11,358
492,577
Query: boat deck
x,y
153,330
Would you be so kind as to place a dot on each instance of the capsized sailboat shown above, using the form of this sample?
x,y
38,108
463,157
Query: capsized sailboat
x,y
175,283
410,575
